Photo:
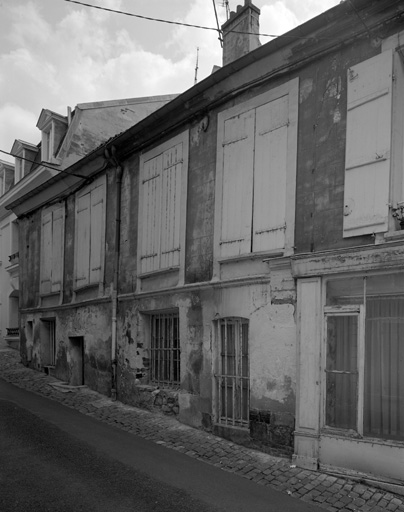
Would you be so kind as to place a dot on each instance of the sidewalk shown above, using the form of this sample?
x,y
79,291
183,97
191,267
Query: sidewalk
x,y
332,493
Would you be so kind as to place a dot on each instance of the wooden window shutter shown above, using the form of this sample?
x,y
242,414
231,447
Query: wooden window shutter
x,y
46,258
96,233
270,165
83,240
170,207
238,161
151,199
57,248
367,162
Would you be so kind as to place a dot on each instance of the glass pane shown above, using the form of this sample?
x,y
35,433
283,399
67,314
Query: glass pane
x,y
341,368
384,368
345,291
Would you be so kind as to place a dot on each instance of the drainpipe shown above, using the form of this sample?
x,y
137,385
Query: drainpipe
x,y
110,156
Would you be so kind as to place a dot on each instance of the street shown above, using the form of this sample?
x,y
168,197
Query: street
x,y
55,459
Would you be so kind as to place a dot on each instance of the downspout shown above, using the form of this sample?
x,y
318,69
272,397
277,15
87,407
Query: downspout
x,y
110,156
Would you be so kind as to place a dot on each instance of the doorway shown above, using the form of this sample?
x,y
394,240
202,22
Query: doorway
x,y
76,360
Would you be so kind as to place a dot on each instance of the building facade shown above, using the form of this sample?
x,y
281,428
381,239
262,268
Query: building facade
x,y
236,258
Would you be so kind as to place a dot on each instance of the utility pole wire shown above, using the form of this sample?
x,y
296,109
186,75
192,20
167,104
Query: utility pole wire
x,y
219,31
148,18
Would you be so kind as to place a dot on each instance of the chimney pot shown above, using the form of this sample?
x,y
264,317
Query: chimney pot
x,y
240,32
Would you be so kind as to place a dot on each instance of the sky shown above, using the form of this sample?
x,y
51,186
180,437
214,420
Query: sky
x,y
55,54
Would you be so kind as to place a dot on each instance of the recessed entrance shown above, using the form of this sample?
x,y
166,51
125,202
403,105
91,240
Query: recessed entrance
x,y
76,360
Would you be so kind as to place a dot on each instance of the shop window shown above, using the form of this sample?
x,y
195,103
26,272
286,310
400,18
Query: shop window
x,y
364,382
232,378
165,351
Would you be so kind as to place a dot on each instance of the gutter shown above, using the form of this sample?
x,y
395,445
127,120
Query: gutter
x,y
110,156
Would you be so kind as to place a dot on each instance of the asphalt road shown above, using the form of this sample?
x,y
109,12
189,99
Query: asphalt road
x,y
53,458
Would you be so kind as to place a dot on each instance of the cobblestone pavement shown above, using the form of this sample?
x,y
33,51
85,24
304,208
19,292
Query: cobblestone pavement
x,y
333,493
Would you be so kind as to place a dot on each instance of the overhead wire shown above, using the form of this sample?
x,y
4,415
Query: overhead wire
x,y
190,25
43,164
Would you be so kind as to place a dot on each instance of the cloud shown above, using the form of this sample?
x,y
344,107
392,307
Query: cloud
x,y
16,120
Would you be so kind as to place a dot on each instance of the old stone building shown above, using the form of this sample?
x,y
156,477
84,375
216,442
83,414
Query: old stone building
x,y
236,257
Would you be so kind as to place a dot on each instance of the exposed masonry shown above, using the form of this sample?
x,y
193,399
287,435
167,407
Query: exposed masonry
x,y
327,491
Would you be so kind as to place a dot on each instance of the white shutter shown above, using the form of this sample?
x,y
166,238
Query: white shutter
x,y
151,194
367,163
238,161
170,207
270,165
83,240
57,249
96,232
46,259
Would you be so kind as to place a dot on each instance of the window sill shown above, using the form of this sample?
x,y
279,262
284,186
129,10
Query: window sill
x,y
159,272
86,287
266,255
394,235
354,436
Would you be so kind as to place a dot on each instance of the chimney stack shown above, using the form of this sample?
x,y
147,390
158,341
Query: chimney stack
x,y
240,32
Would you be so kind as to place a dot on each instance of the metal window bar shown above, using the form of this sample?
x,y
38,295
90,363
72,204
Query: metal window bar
x,y
233,380
165,349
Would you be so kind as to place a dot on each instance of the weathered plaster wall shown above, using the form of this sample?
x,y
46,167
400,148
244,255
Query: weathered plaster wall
x,y
93,323
321,150
270,309
129,215
201,200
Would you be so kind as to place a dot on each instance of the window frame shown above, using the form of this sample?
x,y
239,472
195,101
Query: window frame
x,y
169,383
99,182
291,89
182,138
360,311
341,311
218,374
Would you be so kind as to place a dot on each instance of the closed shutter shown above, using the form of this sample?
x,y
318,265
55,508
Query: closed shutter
x,y
238,160
270,175
96,232
367,163
83,240
46,259
170,207
151,195
57,249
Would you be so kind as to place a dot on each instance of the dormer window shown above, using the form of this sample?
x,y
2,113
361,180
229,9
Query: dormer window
x,y
24,154
53,127
47,145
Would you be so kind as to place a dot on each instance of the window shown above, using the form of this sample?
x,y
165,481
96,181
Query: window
x,y
162,205
47,144
52,249
165,349
364,383
232,378
256,166
374,178
90,234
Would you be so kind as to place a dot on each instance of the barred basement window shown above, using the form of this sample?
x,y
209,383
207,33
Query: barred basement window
x,y
165,349
232,379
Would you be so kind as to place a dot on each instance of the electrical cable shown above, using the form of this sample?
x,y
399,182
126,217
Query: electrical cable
x,y
42,164
148,18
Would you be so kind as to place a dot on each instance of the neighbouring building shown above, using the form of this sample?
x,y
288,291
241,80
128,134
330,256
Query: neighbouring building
x,y
8,263
64,140
237,257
